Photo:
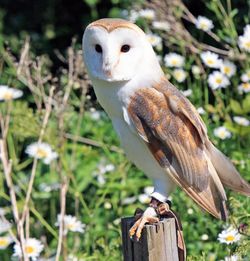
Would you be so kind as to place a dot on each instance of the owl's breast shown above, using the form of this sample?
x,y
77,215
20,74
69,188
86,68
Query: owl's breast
x,y
136,150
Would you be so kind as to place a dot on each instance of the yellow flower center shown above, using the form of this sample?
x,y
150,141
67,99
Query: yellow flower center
x,y
230,238
29,249
227,70
222,134
247,44
218,80
41,153
70,226
203,25
245,85
4,242
210,61
8,96
174,61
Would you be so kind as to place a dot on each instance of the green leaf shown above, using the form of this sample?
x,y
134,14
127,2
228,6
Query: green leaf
x,y
235,106
246,104
240,130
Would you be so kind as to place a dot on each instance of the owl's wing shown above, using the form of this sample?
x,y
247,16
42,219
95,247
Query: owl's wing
x,y
176,136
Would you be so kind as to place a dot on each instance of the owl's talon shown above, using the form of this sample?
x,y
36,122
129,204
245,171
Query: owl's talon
x,y
163,209
137,228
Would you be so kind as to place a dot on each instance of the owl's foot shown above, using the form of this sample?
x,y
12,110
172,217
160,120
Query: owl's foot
x,y
152,214
149,216
163,209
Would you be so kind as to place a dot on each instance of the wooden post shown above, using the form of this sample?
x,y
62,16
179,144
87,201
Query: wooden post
x,y
158,242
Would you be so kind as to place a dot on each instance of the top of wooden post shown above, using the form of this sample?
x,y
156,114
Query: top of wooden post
x,y
158,242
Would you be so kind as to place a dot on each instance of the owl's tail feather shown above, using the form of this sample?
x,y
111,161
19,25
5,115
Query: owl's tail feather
x,y
228,174
210,199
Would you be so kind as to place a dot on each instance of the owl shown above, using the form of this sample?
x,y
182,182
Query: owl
x,y
159,129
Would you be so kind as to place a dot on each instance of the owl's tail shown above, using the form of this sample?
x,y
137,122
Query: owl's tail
x,y
228,174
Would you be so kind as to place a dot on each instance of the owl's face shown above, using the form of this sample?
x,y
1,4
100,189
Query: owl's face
x,y
113,53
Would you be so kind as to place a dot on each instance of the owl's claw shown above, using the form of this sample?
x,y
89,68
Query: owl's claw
x,y
136,229
163,209
156,208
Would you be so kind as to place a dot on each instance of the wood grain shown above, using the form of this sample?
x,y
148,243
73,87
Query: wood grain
x,y
158,242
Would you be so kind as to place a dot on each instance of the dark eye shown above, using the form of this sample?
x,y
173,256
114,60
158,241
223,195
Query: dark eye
x,y
98,48
125,48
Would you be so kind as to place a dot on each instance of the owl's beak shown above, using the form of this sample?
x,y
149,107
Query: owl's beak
x,y
107,71
107,68
109,61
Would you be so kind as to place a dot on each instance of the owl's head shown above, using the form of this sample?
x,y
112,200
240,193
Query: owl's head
x,y
116,50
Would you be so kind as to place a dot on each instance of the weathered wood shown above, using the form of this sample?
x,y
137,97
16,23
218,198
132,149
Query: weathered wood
x,y
158,242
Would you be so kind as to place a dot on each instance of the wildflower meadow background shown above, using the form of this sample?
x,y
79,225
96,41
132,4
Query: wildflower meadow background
x,y
64,181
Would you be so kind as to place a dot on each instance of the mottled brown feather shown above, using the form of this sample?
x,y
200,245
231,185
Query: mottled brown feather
x,y
175,135
156,120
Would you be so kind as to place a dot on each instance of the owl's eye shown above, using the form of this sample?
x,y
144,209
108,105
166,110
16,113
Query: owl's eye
x,y
98,48
125,48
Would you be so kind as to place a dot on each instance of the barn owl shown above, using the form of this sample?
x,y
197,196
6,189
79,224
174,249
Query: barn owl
x,y
159,129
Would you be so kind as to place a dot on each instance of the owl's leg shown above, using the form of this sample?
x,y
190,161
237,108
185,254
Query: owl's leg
x,y
151,215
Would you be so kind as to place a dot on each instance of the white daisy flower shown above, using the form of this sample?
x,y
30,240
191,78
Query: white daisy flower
x,y
201,111
204,237
245,77
128,200
149,190
94,114
155,40
101,178
174,60
107,205
196,70
180,75
244,87
241,121
187,92
49,187
232,258
73,258
222,133
41,151
4,225
147,14
244,40
244,43
109,167
102,169
204,23
71,223
7,93
32,248
211,59
229,236
190,211
228,68
117,221
5,241
217,80
161,25
133,16
144,198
